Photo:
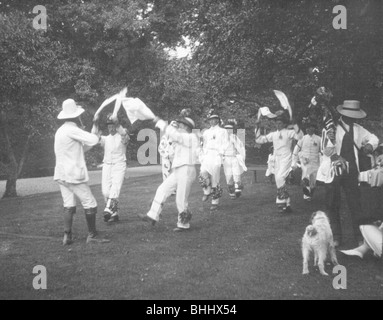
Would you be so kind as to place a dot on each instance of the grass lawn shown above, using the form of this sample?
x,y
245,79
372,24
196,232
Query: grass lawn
x,y
244,251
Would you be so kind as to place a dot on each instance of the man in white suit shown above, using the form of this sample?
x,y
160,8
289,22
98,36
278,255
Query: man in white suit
x,y
71,172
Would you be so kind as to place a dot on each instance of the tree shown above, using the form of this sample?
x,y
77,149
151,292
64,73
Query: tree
x,y
246,48
91,49
29,62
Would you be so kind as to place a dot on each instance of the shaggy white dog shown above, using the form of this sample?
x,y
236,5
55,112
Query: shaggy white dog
x,y
318,238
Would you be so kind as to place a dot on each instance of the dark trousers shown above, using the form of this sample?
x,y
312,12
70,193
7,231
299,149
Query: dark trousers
x,y
350,186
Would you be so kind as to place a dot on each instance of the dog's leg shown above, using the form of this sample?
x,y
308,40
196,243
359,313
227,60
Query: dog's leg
x,y
322,254
305,254
334,260
315,258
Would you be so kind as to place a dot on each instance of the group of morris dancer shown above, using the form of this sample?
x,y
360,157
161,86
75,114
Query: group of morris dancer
x,y
332,159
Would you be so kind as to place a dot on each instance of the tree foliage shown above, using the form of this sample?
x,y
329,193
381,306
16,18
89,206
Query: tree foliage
x,y
246,48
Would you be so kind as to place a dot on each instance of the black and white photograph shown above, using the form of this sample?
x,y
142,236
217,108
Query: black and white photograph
x,y
191,154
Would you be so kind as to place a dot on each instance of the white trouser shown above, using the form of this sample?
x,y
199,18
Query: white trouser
x,y
310,172
232,170
282,170
211,167
69,191
180,180
112,179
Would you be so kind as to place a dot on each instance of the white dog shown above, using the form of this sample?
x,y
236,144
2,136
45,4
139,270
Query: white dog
x,y
319,239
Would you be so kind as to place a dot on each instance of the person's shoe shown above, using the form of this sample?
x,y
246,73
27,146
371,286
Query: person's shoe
x,y
307,198
180,229
146,218
114,218
67,240
205,197
238,194
94,239
288,209
107,214
214,208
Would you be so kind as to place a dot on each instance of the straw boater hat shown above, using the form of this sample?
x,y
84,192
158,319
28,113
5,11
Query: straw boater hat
x,y
351,109
70,110
185,118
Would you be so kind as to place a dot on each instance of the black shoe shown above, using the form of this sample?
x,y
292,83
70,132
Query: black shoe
x,y
180,229
107,216
288,209
114,218
146,218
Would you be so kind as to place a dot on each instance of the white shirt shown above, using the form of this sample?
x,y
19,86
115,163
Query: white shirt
x,y
69,150
186,146
308,148
115,146
214,139
282,141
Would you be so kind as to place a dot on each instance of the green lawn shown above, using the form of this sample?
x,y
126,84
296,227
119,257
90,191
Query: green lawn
x,y
244,251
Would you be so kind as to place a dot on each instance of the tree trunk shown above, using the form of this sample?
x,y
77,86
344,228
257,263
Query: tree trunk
x,y
14,169
10,187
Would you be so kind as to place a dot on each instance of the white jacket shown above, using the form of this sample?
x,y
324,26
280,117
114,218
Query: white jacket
x,y
186,147
69,150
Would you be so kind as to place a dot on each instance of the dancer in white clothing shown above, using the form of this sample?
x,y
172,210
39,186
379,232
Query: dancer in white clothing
x,y
234,156
282,142
211,160
307,152
114,165
183,172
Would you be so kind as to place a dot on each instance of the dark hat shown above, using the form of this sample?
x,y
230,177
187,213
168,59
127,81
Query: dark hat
x,y
282,116
231,124
308,122
213,115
